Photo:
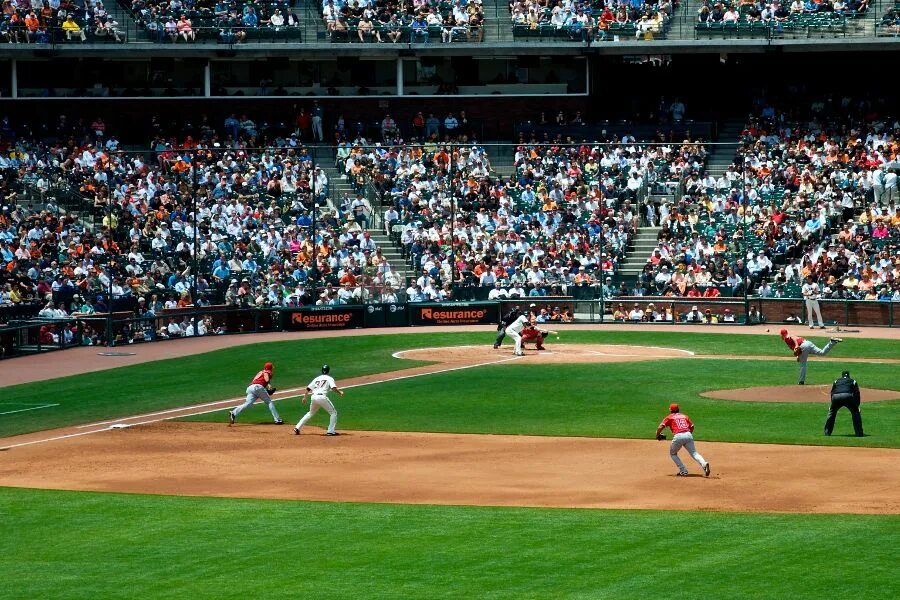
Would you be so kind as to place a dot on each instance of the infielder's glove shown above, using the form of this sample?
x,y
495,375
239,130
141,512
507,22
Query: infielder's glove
x,y
660,436
271,389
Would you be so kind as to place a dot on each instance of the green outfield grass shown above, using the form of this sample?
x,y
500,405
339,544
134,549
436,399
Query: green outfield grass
x,y
86,545
225,373
624,400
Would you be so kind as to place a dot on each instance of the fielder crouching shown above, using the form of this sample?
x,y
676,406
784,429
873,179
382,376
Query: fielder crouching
x,y
533,334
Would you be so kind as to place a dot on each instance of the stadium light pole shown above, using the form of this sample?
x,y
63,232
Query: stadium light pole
x,y
196,224
453,270
313,260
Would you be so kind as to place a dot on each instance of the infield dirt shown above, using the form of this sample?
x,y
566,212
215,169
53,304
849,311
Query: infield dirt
x,y
266,461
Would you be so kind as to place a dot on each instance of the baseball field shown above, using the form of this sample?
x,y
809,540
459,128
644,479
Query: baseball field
x,y
461,471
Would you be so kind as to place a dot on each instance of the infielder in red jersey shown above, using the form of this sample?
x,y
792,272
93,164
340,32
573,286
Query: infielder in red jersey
x,y
259,388
682,435
802,348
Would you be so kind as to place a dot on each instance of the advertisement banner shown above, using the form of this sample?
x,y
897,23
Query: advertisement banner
x,y
461,313
324,317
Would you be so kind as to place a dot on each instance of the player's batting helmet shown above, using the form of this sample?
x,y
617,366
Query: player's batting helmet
x,y
325,369
268,366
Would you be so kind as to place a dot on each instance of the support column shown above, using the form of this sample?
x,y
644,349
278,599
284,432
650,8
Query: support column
x,y
399,76
207,80
13,78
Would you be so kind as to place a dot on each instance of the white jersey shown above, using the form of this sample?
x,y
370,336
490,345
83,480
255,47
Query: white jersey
x,y
519,324
321,385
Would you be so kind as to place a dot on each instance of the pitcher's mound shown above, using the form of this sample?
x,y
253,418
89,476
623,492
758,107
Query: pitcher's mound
x,y
795,393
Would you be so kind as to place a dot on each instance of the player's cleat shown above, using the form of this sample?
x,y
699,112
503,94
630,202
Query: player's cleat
x,y
231,417
821,327
332,433
496,346
296,431
279,422
681,474
801,383
836,340
706,469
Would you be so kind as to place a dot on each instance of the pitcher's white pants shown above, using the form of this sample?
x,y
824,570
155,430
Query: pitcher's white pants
x,y
315,404
685,439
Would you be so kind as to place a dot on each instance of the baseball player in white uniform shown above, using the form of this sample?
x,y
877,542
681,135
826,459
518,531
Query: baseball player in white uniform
x,y
515,332
319,388
811,294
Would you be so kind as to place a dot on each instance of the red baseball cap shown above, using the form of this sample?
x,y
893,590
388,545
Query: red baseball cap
x,y
268,366
784,332
673,407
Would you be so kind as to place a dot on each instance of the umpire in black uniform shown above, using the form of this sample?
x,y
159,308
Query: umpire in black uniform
x,y
844,393
505,321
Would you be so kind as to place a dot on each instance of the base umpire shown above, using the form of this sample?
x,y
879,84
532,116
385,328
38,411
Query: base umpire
x,y
844,393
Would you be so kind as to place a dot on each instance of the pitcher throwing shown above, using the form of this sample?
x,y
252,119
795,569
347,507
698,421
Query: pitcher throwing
x,y
319,388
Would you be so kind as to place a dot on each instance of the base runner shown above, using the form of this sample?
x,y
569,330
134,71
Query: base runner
x,y
682,435
260,388
802,348
319,388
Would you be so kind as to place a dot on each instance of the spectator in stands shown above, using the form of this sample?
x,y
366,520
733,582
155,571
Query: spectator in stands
x,y
72,29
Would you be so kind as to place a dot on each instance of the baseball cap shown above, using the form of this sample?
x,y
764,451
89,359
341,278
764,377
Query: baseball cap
x,y
532,305
674,407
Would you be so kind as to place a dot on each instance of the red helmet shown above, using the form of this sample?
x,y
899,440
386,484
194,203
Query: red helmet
x,y
268,366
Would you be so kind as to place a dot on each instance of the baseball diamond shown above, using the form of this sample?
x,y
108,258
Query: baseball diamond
x,y
569,426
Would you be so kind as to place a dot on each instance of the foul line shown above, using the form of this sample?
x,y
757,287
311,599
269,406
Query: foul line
x,y
232,401
39,407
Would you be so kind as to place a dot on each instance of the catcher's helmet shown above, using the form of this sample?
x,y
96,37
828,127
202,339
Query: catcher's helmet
x,y
845,374
325,369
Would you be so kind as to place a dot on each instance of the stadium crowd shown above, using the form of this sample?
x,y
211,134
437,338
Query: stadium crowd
x,y
422,21
254,245
57,20
561,222
592,21
811,197
229,21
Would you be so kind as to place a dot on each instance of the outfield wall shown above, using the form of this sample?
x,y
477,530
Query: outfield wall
x,y
34,336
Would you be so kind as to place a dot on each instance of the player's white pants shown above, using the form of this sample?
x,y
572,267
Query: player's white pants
x,y
315,404
807,348
813,306
255,391
685,439
517,337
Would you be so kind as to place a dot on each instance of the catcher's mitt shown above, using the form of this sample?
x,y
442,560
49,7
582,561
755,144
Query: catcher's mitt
x,y
660,436
271,389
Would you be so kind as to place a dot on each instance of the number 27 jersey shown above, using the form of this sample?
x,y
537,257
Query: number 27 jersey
x,y
321,385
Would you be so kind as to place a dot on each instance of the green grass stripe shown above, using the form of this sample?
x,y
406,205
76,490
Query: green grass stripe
x,y
88,545
225,373
622,400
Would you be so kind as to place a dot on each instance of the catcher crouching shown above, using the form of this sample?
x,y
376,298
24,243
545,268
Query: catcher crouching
x,y
532,334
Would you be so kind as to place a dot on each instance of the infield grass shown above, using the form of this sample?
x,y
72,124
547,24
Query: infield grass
x,y
621,400
89,545
225,373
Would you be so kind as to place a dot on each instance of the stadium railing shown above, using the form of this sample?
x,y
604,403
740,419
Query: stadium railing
x,y
21,338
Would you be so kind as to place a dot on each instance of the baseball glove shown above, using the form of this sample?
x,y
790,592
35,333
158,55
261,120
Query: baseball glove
x,y
660,436
271,389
